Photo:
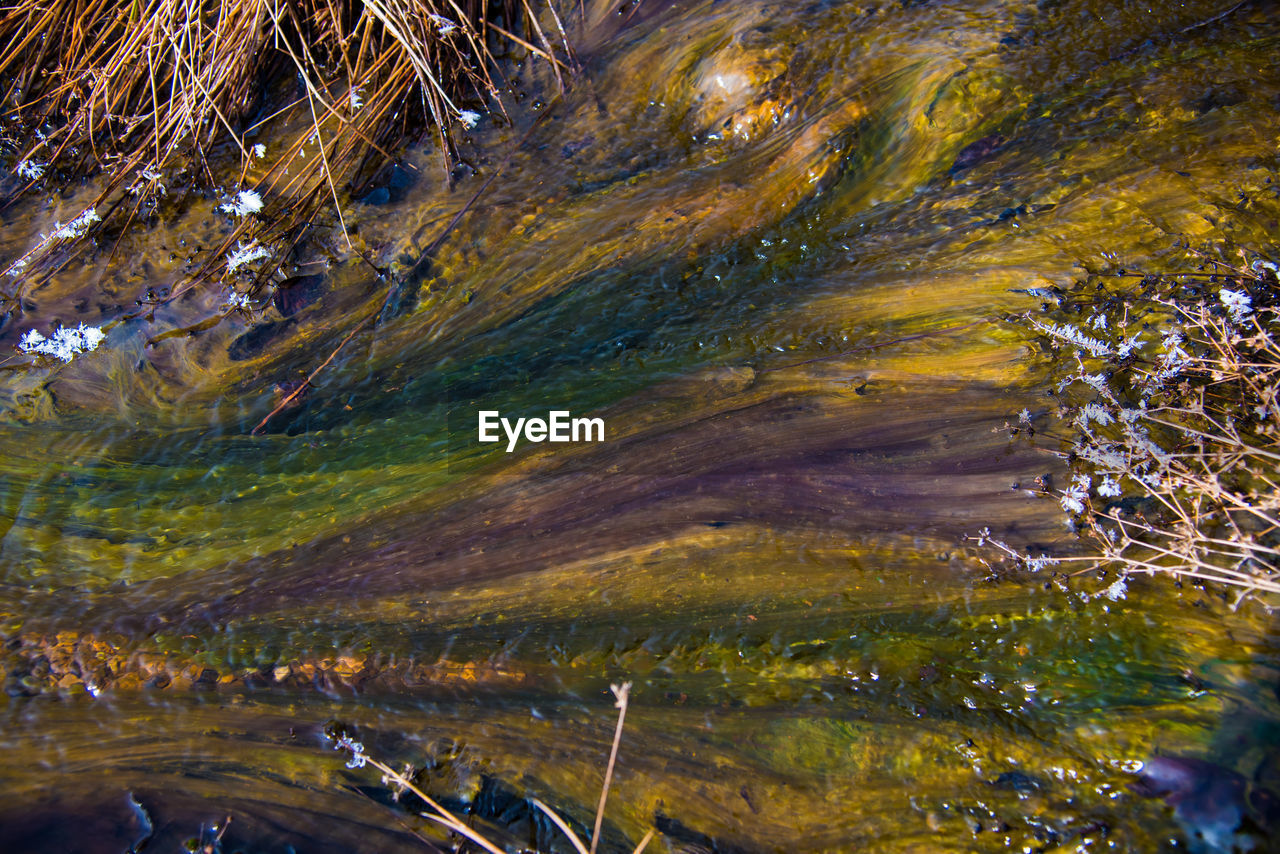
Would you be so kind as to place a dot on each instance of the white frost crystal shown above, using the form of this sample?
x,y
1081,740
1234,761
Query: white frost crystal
x,y
246,255
76,228
29,170
443,25
244,203
1238,303
65,344
237,301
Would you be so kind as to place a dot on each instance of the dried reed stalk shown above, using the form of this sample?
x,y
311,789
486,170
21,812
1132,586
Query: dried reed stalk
x,y
149,92
403,782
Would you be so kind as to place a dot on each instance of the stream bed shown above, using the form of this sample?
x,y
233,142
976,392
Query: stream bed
x,y
780,249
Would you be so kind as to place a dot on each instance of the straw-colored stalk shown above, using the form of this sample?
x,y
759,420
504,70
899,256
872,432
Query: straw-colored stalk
x,y
402,782
144,92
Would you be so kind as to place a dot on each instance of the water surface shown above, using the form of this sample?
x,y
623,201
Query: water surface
x,y
776,247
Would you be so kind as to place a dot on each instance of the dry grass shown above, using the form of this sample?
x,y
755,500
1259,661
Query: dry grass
x,y
156,94
1169,418
402,782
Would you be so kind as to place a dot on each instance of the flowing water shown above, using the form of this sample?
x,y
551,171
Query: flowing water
x,y
775,247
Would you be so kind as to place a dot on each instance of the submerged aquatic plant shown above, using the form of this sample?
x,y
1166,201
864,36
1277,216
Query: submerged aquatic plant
x,y
1172,413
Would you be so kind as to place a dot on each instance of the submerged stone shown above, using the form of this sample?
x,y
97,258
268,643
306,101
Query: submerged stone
x,y
1214,805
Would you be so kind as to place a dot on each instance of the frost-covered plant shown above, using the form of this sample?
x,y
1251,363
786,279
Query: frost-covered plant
x,y
65,344
95,111
236,301
246,255
29,170
73,230
243,203
1169,392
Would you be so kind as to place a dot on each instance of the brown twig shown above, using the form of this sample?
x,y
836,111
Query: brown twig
x,y
622,693
320,367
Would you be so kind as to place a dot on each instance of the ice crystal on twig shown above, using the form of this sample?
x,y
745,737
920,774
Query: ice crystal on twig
x,y
246,255
443,25
65,344
1238,304
150,181
236,300
76,228
1074,496
29,170
1069,334
1118,589
358,757
245,202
